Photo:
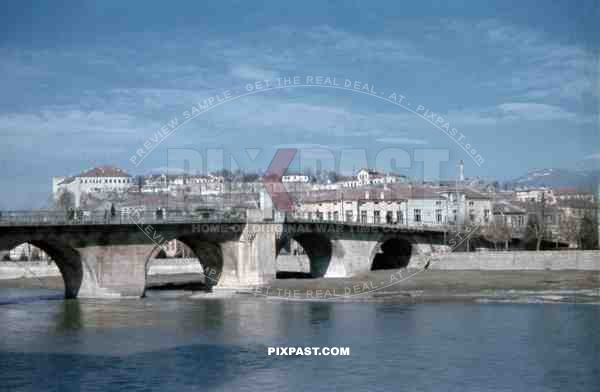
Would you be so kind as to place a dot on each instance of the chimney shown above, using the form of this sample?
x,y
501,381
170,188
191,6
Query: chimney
x,y
461,171
367,195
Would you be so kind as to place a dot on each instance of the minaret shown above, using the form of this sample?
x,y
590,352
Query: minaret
x,y
461,171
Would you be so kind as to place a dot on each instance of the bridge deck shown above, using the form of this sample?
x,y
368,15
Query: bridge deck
x,y
74,218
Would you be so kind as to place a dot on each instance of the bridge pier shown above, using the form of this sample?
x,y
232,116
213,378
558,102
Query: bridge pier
x,y
114,270
249,261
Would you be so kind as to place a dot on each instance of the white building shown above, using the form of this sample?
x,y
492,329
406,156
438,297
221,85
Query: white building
x,y
513,216
100,179
26,251
403,205
467,205
347,182
194,184
535,195
571,194
295,178
366,177
155,184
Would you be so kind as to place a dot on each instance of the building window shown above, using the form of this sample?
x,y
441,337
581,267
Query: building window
x,y
349,216
309,216
399,217
486,215
336,216
363,217
471,204
438,216
417,214
376,217
438,203
388,217
328,215
520,220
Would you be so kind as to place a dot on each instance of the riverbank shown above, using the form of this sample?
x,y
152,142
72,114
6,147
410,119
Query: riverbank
x,y
409,286
415,286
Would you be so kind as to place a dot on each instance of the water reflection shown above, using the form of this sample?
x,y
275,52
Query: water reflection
x,y
68,316
221,344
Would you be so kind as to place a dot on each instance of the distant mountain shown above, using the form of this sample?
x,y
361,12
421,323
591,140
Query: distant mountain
x,y
582,179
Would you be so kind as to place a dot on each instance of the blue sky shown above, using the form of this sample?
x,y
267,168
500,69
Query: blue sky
x,y
88,83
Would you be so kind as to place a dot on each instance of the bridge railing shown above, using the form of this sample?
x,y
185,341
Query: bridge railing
x,y
415,226
517,232
79,217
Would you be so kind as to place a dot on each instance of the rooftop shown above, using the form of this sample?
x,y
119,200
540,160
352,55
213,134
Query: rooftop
x,y
401,192
104,171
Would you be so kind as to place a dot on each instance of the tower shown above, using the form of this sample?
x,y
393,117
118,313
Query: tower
x,y
461,171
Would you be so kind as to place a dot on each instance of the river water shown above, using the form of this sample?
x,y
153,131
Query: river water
x,y
220,344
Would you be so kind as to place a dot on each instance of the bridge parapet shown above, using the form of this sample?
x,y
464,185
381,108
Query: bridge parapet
x,y
121,217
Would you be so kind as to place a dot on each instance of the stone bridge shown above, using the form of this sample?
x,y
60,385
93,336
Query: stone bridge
x,y
106,258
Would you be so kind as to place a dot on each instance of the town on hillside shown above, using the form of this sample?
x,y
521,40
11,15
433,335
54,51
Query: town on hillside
x,y
552,217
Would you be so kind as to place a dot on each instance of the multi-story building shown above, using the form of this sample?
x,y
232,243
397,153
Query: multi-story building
x,y
511,215
291,177
195,184
467,205
366,177
407,205
101,179
535,195
562,194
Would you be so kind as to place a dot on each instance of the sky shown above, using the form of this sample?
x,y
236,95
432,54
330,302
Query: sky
x,y
89,83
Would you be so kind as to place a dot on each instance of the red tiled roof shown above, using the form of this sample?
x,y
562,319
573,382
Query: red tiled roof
x,y
104,171
569,191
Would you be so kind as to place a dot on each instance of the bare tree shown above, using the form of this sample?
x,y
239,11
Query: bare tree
x,y
497,232
65,201
588,231
569,229
536,223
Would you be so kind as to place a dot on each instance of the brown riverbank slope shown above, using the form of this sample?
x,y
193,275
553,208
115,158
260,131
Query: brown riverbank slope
x,y
399,285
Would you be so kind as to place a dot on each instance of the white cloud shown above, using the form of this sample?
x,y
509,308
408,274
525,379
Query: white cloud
x,y
340,42
311,146
401,140
252,73
68,122
541,67
534,111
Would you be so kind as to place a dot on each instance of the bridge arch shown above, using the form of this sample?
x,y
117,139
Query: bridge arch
x,y
66,258
208,255
318,248
392,252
